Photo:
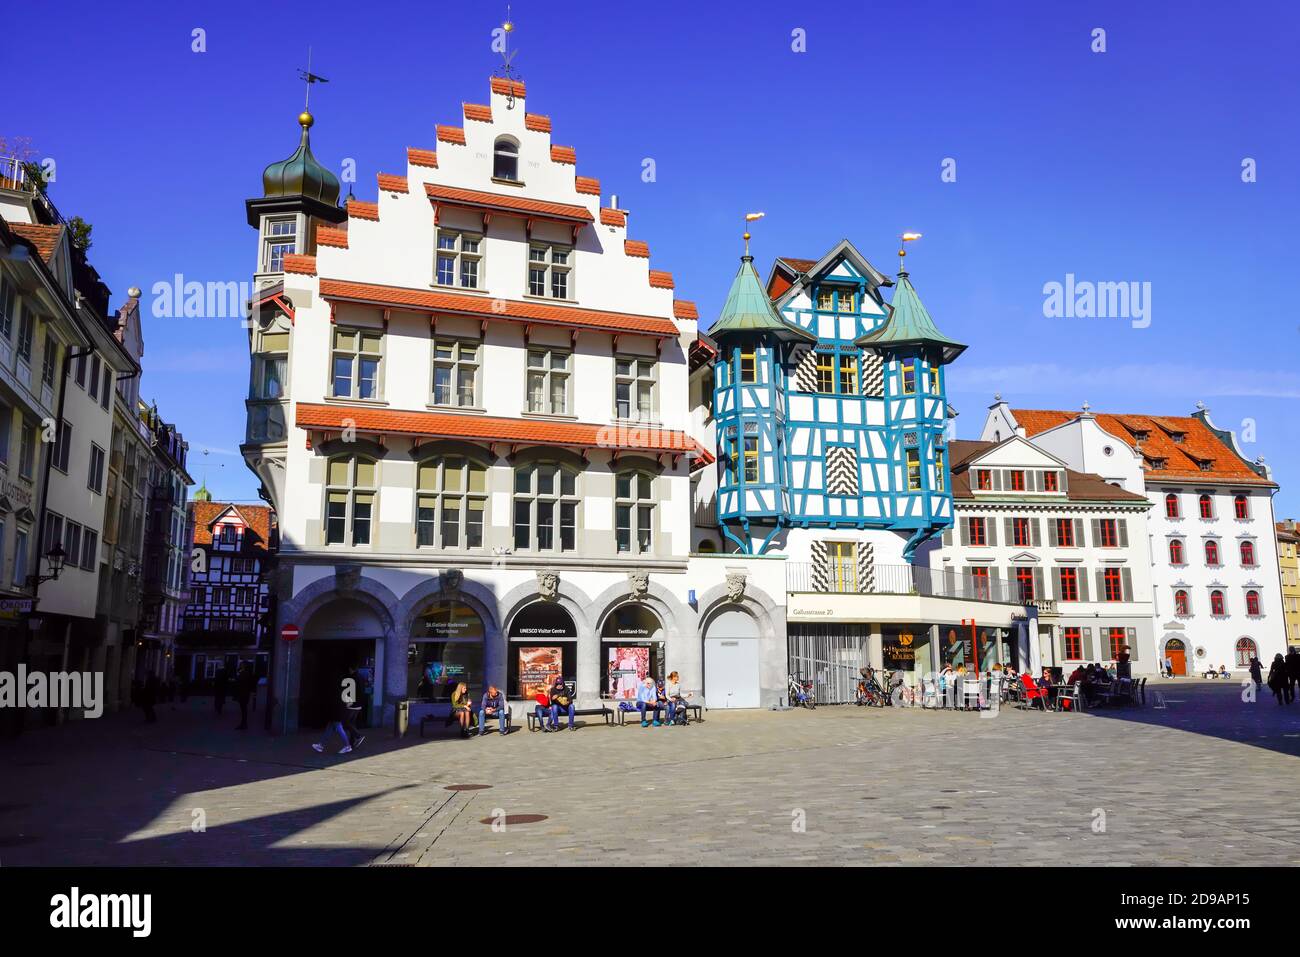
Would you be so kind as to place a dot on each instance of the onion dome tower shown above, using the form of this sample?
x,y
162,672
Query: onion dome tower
x,y
298,185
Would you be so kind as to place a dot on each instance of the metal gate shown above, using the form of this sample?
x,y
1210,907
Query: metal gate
x,y
829,654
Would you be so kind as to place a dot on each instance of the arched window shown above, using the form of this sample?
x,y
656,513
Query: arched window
x,y
1252,602
1182,604
546,507
1207,506
349,499
1171,506
634,511
1212,553
1240,506
1245,651
1216,603
505,159
1176,552
1248,554
451,502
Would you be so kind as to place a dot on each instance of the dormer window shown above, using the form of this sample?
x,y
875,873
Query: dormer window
x,y
281,240
505,159
825,300
1207,465
1178,437
847,300
1051,482
1141,435
1159,464
983,480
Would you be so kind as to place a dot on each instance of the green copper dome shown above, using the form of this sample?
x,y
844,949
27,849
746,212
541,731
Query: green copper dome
x,y
203,495
909,323
301,174
749,310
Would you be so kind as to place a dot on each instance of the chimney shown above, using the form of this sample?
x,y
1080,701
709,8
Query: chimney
x,y
613,200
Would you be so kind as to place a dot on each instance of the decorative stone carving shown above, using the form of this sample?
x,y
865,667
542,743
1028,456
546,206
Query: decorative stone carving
x,y
548,584
347,578
735,586
452,579
639,582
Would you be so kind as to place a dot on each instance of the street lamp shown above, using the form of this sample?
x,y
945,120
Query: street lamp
x,y
55,557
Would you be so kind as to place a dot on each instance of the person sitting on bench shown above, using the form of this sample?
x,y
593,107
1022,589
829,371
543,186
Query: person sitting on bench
x,y
560,698
493,703
647,697
676,700
461,710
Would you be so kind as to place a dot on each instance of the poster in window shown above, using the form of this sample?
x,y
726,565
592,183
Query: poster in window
x,y
537,666
628,667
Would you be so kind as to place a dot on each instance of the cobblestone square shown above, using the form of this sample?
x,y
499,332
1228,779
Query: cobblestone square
x,y
1208,779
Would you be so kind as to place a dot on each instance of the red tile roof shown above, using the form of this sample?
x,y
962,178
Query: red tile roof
x,y
331,236
504,87
421,157
704,458
685,309
563,154
519,205
661,279
1182,460
425,300
304,265
44,238
392,184
451,134
362,210
537,122
613,217
491,429
635,247
476,111
586,184
1079,486
258,518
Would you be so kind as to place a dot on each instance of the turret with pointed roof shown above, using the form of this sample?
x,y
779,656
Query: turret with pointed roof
x,y
910,324
748,311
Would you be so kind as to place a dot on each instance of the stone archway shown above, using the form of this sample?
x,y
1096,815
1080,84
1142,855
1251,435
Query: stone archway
x,y
448,585
769,621
554,589
681,651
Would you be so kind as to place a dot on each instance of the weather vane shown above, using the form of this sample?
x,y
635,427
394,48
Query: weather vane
x,y
903,240
309,78
750,218
506,70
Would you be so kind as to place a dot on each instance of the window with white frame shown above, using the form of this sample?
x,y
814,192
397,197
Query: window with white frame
x,y
505,159
546,507
459,259
49,360
20,558
27,450
349,500
455,372
62,447
548,381
281,240
89,549
634,388
26,330
8,305
549,271
358,354
634,511
451,503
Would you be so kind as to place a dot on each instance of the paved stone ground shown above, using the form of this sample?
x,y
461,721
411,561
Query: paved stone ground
x,y
1207,780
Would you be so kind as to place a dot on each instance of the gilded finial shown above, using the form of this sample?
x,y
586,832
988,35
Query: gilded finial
x,y
305,120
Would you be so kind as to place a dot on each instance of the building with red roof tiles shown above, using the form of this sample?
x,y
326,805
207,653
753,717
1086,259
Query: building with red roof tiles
x,y
470,414
230,618
1216,591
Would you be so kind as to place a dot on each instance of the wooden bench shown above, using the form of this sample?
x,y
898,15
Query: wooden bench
x,y
690,707
534,722
440,710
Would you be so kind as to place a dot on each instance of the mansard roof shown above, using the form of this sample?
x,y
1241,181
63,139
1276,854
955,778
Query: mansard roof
x,y
748,310
1188,447
1079,486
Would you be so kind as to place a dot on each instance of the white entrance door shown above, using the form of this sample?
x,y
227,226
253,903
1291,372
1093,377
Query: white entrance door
x,y
731,672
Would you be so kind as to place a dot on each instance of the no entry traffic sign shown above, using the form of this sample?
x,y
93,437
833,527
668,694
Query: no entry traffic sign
x,y
290,633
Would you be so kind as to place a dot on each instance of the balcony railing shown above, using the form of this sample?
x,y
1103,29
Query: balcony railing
x,y
13,175
850,578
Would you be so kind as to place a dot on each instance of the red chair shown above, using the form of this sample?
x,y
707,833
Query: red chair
x,y
1033,692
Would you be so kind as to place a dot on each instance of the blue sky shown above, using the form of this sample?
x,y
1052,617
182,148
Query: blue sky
x,y
1122,166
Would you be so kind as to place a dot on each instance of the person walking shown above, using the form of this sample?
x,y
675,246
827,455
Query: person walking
x,y
1277,679
1256,673
1292,674
221,689
149,697
339,718
244,685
